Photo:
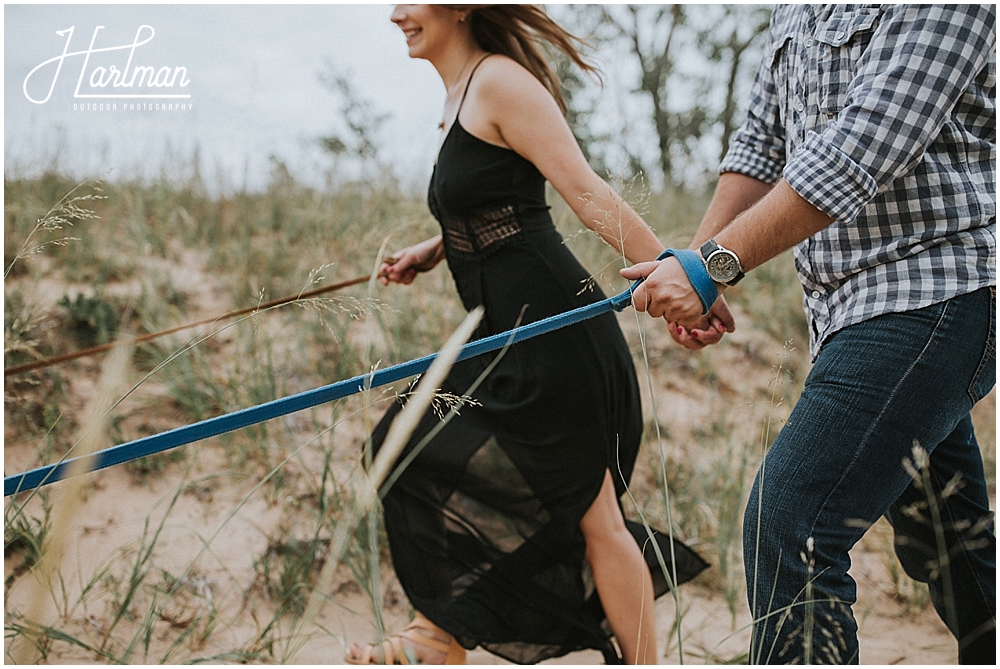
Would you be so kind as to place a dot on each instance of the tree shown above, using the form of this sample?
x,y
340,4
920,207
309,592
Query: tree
x,y
579,110
729,41
363,122
653,34
691,68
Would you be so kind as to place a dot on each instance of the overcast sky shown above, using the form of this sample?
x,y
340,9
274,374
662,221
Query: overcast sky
x,y
252,76
253,81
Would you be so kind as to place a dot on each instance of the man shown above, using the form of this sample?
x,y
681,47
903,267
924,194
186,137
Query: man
x,y
870,146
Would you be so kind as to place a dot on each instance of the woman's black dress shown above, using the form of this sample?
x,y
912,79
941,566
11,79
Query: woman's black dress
x,y
483,525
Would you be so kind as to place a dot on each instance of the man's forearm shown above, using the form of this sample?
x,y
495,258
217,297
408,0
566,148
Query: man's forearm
x,y
779,221
734,194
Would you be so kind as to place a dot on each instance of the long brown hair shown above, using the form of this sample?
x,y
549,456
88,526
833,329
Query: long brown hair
x,y
519,31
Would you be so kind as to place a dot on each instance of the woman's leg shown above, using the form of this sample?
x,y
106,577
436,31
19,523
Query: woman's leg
x,y
621,576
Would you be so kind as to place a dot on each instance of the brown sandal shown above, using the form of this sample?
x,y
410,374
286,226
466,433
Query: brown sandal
x,y
392,650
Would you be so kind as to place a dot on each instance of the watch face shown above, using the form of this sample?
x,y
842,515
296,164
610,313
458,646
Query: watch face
x,y
722,266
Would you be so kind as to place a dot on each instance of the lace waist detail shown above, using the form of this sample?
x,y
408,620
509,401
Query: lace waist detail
x,y
481,234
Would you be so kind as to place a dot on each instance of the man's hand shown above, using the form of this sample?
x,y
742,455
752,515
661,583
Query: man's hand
x,y
667,292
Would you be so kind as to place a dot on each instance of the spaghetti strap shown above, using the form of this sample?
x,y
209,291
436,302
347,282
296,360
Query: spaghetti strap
x,y
469,83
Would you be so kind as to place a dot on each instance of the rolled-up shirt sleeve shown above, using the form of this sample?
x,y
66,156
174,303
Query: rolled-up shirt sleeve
x,y
918,64
758,148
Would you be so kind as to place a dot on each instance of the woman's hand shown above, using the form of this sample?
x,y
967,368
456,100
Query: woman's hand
x,y
709,330
403,266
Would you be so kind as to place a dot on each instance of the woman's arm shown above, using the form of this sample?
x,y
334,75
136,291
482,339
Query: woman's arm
x,y
511,108
508,106
404,266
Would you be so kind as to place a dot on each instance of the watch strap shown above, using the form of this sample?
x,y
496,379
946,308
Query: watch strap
x,y
707,248
694,268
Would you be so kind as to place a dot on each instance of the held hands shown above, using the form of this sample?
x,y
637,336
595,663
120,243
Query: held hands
x,y
404,266
708,330
667,292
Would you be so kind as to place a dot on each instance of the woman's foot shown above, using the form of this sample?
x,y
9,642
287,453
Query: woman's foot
x,y
420,642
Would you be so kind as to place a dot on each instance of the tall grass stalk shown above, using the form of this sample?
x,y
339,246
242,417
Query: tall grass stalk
x,y
670,575
68,209
373,584
765,440
612,226
729,527
399,432
919,469
809,623
113,374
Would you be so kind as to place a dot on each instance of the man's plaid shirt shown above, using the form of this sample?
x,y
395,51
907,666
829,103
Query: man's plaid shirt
x,y
883,117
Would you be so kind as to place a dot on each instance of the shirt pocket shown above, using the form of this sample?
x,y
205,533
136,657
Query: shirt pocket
x,y
842,38
778,50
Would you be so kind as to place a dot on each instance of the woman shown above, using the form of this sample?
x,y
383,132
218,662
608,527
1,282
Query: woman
x,y
490,527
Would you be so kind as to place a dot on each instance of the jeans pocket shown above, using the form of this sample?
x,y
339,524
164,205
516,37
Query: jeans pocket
x,y
986,374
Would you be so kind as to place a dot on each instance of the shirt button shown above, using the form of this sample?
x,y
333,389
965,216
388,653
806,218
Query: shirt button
x,y
816,294
799,107
841,35
809,42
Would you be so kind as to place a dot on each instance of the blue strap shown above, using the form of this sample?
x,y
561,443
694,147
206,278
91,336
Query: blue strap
x,y
212,427
697,274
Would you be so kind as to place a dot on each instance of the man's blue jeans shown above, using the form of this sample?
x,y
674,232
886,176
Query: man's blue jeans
x,y
846,457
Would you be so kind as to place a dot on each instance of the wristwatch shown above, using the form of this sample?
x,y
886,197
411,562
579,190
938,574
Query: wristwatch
x,y
722,264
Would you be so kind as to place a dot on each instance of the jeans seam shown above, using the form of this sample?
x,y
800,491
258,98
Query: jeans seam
x,y
892,395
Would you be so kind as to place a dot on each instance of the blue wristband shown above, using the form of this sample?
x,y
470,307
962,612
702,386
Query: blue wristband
x,y
696,273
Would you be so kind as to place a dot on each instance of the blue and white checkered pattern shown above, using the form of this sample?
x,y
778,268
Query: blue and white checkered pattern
x,y
884,117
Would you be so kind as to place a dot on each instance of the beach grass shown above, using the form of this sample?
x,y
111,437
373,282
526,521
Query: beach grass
x,y
213,552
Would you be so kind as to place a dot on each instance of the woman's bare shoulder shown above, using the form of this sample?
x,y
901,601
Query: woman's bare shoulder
x,y
499,77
